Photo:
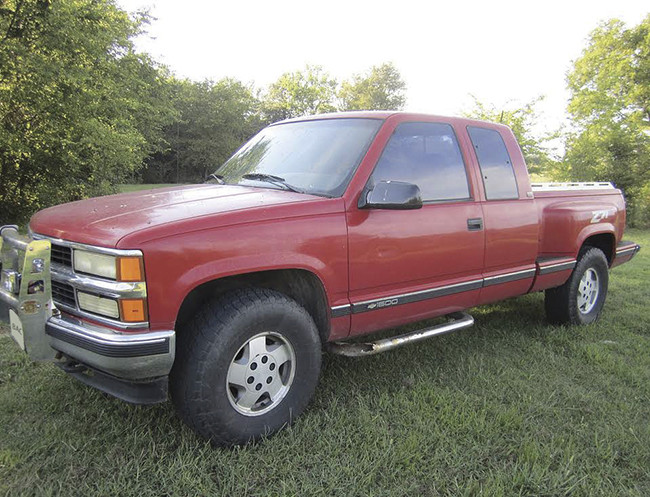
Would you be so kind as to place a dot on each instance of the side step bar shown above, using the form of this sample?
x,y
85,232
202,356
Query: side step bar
x,y
459,321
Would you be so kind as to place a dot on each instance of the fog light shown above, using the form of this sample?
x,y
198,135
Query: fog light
x,y
98,305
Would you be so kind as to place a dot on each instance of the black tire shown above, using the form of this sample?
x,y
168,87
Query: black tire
x,y
562,303
210,346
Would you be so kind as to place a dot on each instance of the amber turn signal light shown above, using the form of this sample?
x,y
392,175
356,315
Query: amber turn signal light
x,y
133,310
130,269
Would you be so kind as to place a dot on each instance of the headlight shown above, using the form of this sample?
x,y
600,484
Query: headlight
x,y
98,305
109,266
95,264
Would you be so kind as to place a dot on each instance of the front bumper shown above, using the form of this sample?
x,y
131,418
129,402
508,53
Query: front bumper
x,y
45,334
131,356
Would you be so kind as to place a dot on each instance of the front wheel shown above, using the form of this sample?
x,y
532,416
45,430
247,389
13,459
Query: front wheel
x,y
248,365
580,300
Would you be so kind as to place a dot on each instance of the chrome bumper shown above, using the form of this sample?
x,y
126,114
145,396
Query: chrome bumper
x,y
130,356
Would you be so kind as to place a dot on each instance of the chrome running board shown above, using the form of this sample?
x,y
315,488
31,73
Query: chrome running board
x,y
459,321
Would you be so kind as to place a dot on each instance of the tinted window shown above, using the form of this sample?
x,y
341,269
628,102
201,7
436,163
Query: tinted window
x,y
496,167
317,157
427,155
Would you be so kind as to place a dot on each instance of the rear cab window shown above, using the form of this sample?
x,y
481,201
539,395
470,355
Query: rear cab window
x,y
494,161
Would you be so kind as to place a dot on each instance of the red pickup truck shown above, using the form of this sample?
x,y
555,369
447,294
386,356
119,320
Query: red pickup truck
x,y
317,230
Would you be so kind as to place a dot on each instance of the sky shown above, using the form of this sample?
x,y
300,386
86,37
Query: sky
x,y
504,53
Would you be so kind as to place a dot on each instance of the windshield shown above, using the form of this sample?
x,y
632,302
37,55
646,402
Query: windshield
x,y
316,157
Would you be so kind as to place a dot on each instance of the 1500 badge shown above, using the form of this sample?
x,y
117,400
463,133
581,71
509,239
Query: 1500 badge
x,y
383,303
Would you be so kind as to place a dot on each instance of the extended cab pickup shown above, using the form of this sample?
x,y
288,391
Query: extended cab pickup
x,y
317,230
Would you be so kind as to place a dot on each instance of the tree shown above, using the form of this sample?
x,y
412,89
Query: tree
x,y
300,93
79,108
214,119
522,119
381,88
610,108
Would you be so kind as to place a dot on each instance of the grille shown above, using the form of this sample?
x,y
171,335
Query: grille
x,y
62,255
63,294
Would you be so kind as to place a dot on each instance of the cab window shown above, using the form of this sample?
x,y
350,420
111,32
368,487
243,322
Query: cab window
x,y
427,155
496,167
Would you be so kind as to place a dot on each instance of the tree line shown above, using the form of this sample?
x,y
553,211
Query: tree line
x,y
82,111
212,119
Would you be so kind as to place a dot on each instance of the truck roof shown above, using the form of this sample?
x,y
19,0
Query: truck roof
x,y
385,114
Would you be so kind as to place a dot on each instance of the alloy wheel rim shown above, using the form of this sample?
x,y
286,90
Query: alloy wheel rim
x,y
588,290
260,374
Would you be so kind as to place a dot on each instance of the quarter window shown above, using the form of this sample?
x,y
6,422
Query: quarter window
x,y
496,167
427,155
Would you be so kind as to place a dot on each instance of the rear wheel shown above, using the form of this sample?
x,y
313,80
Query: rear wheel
x,y
247,366
580,300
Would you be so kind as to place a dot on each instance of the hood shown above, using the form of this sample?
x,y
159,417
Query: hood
x,y
104,221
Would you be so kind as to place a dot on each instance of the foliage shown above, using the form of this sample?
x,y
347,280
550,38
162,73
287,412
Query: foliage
x,y
213,120
137,187
314,91
513,406
300,93
381,88
523,121
79,109
610,108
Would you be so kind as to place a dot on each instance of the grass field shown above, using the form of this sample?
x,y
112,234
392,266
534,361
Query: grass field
x,y
512,406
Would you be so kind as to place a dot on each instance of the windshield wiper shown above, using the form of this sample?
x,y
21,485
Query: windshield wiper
x,y
217,177
274,180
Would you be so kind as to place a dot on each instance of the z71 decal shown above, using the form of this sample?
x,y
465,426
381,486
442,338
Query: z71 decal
x,y
598,216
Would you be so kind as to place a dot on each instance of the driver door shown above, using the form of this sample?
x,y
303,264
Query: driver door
x,y
407,265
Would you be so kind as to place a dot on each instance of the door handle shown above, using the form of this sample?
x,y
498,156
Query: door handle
x,y
475,224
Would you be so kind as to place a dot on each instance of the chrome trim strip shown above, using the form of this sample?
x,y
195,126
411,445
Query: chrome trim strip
x,y
105,336
554,268
625,251
90,248
103,320
340,310
107,288
577,185
409,298
508,277
432,293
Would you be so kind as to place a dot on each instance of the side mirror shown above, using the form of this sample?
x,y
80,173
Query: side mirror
x,y
395,195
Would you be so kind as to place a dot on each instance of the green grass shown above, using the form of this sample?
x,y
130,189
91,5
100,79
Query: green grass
x,y
128,188
512,406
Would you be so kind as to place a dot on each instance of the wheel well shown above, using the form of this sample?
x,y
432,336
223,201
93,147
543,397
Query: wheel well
x,y
300,285
603,241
